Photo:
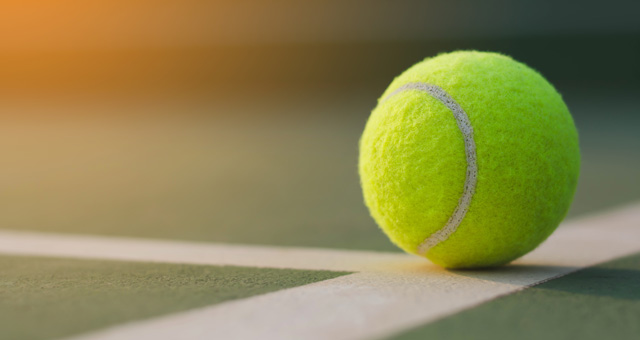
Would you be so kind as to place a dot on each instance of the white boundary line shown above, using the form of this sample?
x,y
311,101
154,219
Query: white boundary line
x,y
144,250
388,294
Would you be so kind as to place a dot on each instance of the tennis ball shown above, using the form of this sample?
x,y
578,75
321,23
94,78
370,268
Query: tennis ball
x,y
470,159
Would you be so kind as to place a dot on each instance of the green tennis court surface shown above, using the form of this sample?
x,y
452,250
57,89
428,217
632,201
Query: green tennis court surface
x,y
45,298
200,208
156,291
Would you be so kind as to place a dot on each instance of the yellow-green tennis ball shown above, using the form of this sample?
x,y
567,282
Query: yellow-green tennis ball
x,y
470,159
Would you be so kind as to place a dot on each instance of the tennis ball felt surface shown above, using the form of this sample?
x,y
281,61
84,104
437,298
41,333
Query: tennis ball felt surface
x,y
470,159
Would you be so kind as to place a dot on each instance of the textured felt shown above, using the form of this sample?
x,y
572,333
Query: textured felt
x,y
412,162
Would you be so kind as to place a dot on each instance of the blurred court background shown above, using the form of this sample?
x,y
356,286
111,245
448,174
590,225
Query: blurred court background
x,y
238,121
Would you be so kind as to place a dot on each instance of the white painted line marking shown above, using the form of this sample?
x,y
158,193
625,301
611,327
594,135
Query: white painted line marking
x,y
384,298
131,249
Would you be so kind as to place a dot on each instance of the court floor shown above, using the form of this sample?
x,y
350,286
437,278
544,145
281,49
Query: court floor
x,y
219,220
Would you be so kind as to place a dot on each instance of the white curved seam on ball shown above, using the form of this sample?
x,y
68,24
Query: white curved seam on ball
x,y
470,152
